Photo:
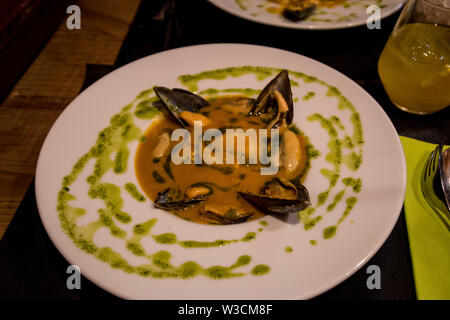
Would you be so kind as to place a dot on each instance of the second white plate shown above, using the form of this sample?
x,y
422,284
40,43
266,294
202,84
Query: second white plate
x,y
350,14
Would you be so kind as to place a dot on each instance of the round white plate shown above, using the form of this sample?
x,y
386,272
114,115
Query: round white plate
x,y
337,17
305,272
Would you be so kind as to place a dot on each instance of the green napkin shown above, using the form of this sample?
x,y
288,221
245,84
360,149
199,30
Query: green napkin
x,y
429,239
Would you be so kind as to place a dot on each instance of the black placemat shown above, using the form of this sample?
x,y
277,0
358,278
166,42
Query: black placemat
x,y
31,267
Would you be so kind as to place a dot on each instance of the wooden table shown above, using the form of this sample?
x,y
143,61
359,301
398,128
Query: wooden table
x,y
47,87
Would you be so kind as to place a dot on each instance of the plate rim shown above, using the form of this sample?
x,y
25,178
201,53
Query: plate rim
x,y
330,285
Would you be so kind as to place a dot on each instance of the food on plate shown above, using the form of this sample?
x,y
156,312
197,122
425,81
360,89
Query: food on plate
x,y
218,178
296,10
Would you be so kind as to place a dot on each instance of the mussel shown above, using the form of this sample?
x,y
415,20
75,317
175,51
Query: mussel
x,y
166,201
274,104
183,105
296,10
171,199
278,196
198,191
224,214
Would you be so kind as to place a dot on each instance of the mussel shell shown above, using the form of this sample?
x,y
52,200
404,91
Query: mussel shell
x,y
272,188
275,205
179,100
278,205
227,218
263,103
300,12
164,201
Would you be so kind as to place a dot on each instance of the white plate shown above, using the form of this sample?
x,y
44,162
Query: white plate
x,y
307,271
337,17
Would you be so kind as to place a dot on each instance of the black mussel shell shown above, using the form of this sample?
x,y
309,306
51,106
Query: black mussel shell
x,y
165,201
279,189
265,104
178,100
229,217
299,12
273,204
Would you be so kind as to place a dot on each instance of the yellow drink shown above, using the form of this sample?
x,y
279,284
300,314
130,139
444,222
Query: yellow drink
x,y
414,67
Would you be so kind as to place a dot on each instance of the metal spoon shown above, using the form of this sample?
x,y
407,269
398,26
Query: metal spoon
x,y
444,169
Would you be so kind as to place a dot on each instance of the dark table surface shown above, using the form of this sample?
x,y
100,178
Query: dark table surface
x,y
32,268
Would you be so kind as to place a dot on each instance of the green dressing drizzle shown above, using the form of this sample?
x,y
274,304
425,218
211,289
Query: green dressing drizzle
x,y
309,95
260,270
134,192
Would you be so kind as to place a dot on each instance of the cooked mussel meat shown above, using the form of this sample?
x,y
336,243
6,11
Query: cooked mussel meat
x,y
274,104
162,146
278,196
224,214
198,191
183,105
296,10
279,189
291,154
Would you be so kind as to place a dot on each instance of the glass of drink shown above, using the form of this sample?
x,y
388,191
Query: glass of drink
x,y
414,66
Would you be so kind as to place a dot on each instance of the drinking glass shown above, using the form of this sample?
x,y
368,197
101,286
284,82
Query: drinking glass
x,y
414,66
